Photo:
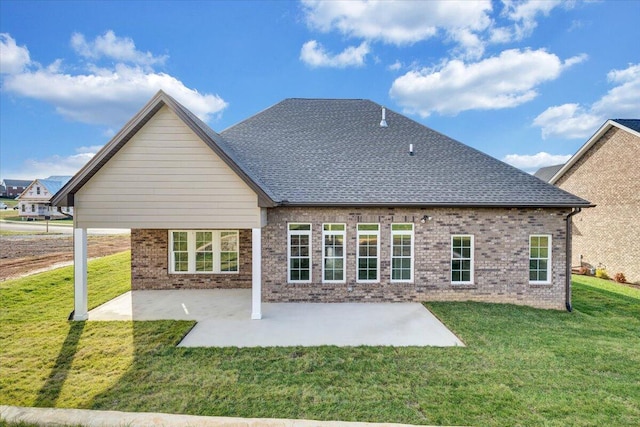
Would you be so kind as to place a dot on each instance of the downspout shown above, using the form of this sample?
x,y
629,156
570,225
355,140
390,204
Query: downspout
x,y
568,258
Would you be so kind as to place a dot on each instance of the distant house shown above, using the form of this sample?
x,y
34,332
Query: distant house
x,y
322,200
34,202
14,187
3,190
605,171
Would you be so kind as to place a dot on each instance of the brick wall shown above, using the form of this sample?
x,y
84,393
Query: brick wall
x,y
150,262
607,175
501,255
501,238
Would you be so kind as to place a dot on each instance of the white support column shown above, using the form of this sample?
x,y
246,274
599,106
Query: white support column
x,y
256,274
80,273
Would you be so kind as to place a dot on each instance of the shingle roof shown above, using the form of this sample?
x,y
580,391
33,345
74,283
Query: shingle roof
x,y
334,152
630,123
547,172
16,182
321,152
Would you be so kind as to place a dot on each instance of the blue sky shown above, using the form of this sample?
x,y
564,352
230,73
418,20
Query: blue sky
x,y
527,82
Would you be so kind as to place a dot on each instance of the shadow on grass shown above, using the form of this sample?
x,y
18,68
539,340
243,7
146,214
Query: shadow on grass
x,y
50,391
603,301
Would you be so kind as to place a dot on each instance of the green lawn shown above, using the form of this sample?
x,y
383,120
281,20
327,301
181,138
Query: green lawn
x,y
521,366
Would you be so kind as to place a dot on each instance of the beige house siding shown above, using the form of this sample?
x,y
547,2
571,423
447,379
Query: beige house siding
x,y
166,177
607,175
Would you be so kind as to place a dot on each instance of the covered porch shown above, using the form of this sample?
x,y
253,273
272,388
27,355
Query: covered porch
x,y
80,312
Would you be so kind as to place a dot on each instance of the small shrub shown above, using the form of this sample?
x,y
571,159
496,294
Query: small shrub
x,y
601,273
619,277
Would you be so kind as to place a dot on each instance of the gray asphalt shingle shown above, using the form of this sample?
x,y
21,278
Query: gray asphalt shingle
x,y
547,172
334,152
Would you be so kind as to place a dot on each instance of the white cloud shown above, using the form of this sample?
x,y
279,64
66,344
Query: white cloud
x,y
13,58
314,55
525,13
395,66
577,121
503,81
54,165
107,95
531,163
469,25
401,22
93,149
108,45
567,121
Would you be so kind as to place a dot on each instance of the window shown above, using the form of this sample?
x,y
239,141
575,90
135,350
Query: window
x,y
334,254
23,207
33,208
539,256
462,259
368,249
203,251
401,252
229,251
299,242
38,190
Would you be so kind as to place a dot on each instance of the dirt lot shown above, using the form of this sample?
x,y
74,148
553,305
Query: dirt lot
x,y
24,254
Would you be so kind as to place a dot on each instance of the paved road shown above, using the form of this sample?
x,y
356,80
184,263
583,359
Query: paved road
x,y
62,229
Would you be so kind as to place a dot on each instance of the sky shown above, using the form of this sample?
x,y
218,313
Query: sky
x,y
528,82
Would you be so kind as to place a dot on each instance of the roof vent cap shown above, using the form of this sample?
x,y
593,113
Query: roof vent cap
x,y
383,122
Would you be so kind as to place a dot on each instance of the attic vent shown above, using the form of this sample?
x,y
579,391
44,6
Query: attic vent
x,y
383,122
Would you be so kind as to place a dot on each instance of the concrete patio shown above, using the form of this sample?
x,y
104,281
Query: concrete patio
x,y
223,317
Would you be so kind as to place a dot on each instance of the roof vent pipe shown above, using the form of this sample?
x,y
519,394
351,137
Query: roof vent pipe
x,y
411,149
383,122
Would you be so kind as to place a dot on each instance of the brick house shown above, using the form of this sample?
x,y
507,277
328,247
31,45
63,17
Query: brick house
x,y
322,201
13,187
605,171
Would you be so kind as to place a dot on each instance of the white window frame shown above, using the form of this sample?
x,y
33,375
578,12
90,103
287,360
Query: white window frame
x,y
290,233
358,257
548,259
470,259
191,251
402,233
342,233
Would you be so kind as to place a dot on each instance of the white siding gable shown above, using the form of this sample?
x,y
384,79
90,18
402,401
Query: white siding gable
x,y
165,176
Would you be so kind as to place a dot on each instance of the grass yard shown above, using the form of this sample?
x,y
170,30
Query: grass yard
x,y
521,366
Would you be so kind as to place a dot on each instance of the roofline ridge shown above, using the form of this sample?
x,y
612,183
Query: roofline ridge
x,y
589,143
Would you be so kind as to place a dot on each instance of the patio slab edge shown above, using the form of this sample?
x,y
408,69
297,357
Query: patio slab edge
x,y
91,418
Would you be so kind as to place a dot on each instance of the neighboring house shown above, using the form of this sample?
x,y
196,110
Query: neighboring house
x,y
320,200
14,187
35,200
3,190
605,171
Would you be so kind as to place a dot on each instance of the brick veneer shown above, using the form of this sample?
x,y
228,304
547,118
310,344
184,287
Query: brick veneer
x,y
607,176
150,260
501,255
500,258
